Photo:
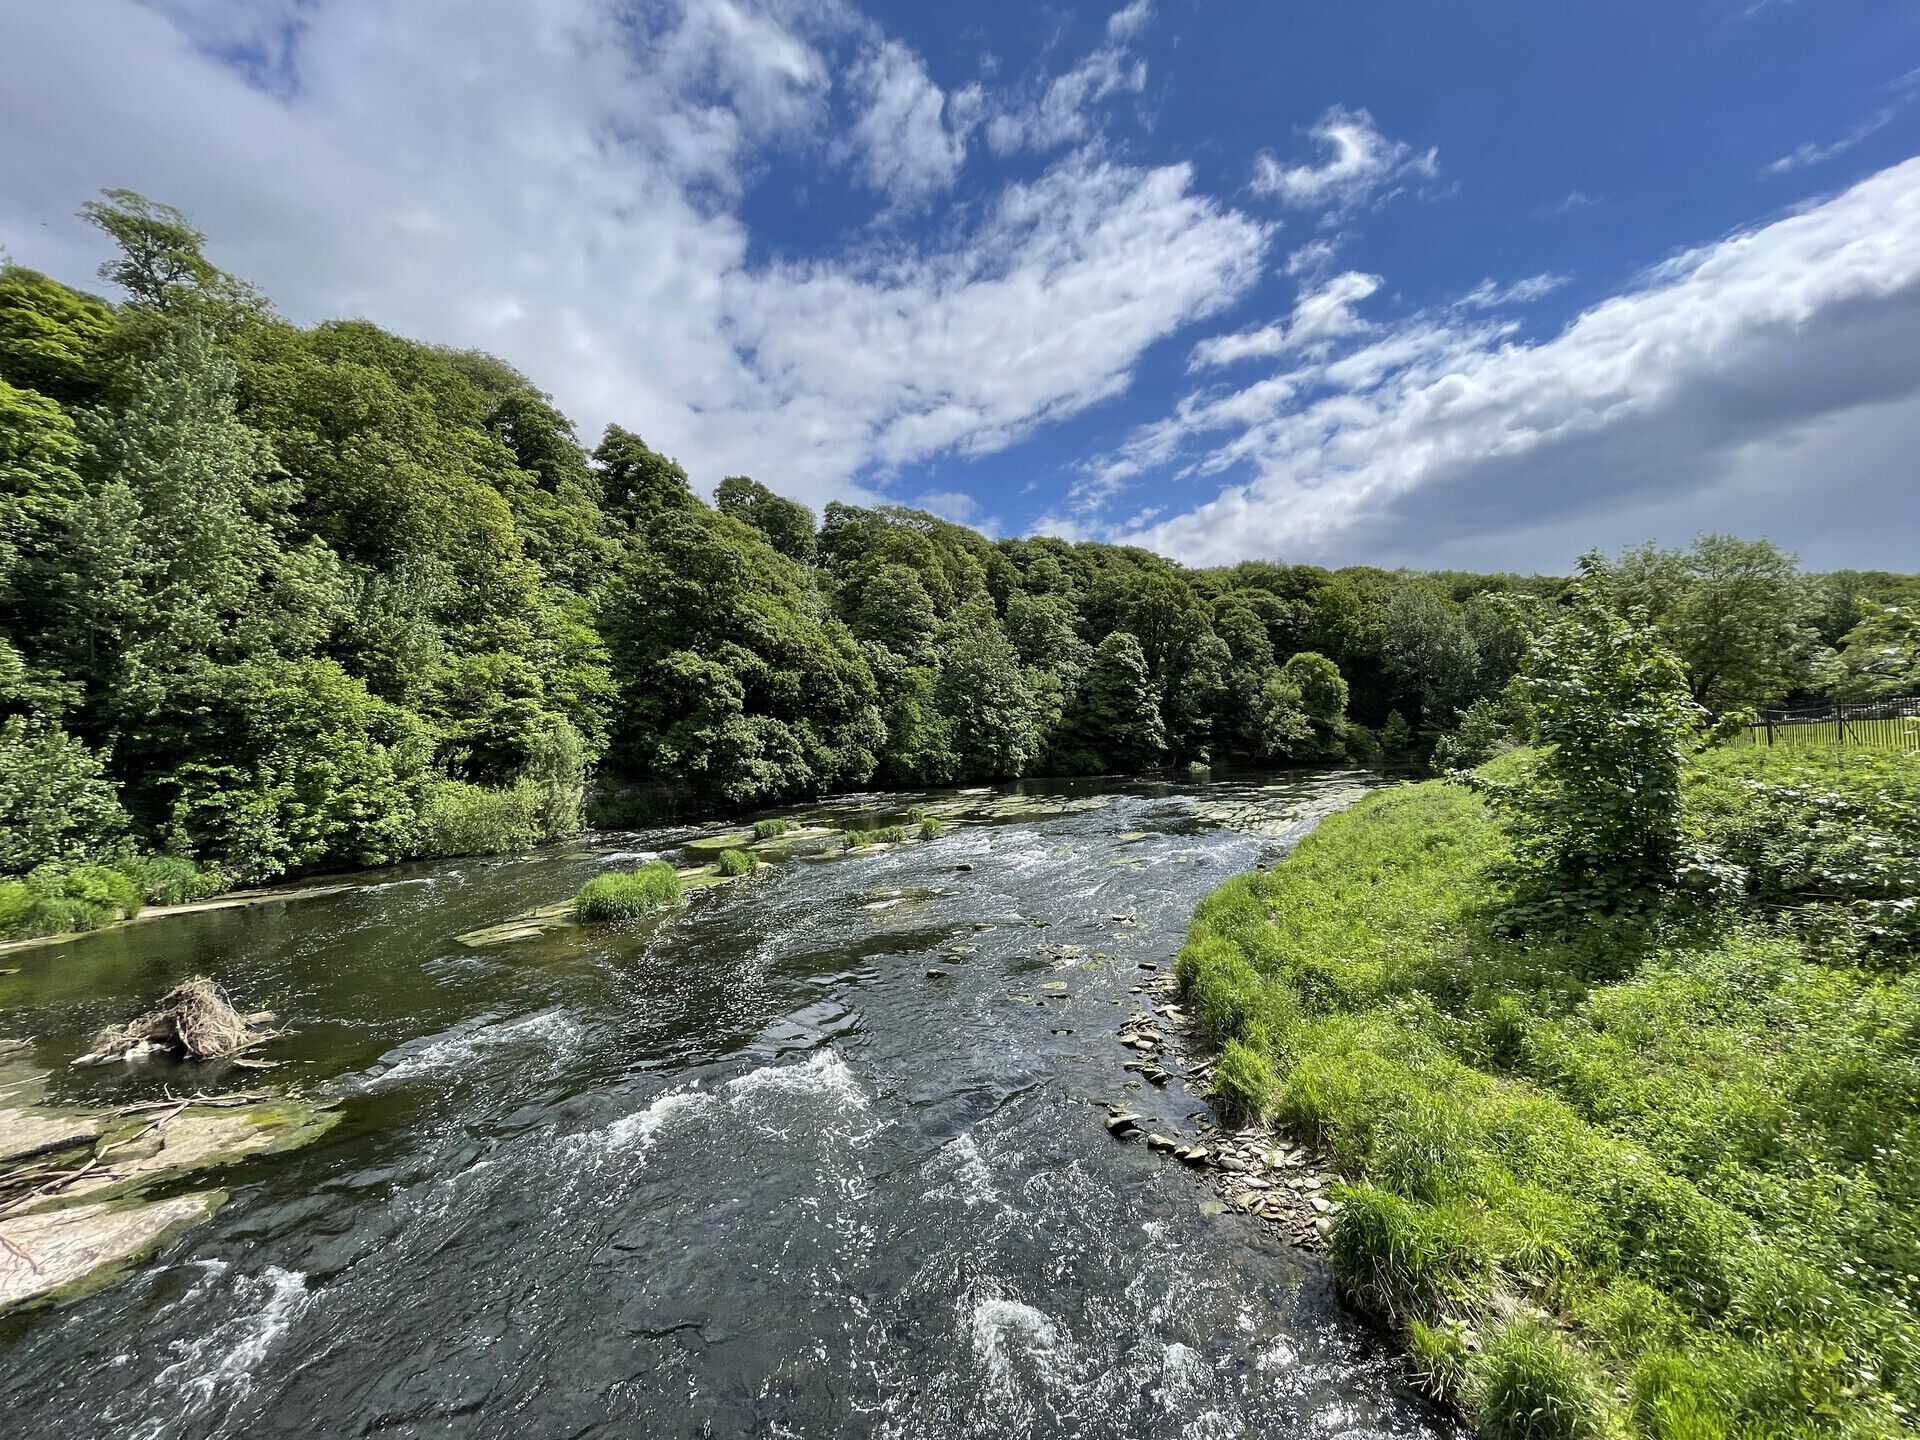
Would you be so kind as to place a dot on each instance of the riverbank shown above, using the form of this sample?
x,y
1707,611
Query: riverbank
x,y
1654,1181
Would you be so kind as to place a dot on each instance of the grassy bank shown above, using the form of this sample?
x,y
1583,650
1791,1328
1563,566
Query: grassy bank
x,y
1656,1178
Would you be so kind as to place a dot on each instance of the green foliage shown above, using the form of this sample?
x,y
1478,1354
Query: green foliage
x,y
1597,825
1737,613
56,802
929,828
882,835
1243,1083
609,899
170,880
280,598
1646,1177
772,829
738,862
1530,1386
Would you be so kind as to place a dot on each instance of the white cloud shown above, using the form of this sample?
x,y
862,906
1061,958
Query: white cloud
x,y
561,184
1313,257
910,137
1715,381
1124,25
1063,110
1358,164
1319,315
1490,296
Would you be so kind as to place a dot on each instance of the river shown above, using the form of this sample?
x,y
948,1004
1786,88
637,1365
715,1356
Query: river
x,y
750,1171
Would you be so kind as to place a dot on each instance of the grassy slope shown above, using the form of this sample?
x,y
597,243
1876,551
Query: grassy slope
x,y
1654,1183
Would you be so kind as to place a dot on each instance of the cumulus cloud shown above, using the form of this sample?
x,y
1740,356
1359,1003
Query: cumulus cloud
x,y
1357,164
562,184
1319,315
1709,389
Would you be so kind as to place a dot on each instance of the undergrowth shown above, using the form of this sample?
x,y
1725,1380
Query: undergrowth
x,y
1654,1175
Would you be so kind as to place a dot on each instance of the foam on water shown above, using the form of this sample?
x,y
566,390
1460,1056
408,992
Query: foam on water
x,y
457,1049
822,1074
1004,1331
217,1365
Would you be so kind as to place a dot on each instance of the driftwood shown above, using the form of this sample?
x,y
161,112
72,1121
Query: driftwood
x,y
195,1021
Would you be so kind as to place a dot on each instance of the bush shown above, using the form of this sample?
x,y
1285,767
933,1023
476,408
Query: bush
x,y
772,829
608,899
1597,825
465,819
105,887
16,906
170,880
738,862
930,829
1530,1386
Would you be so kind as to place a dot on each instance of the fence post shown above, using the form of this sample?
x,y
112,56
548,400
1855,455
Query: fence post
x,y
1840,722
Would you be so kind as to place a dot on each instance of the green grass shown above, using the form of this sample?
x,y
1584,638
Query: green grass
x,y
58,899
737,862
609,899
771,829
885,835
1659,1180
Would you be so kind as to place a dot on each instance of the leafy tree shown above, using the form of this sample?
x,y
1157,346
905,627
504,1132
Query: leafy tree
x,y
1596,825
1737,612
1879,658
52,339
787,524
984,694
56,802
1428,654
1116,722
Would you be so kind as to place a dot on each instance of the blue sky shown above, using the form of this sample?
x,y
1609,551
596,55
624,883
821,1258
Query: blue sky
x,y
1398,283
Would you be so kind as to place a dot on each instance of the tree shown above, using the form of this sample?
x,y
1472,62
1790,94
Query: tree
x,y
1879,659
638,482
1115,725
1737,612
162,265
787,524
1428,654
1596,823
984,694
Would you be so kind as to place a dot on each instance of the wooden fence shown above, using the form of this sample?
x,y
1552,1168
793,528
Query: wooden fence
x,y
1881,725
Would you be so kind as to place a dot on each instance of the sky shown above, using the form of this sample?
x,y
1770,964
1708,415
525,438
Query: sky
x,y
1398,283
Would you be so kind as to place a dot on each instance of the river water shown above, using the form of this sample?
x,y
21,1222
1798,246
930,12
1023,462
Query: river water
x,y
750,1171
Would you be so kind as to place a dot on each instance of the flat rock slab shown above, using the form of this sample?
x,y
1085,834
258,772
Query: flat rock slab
x,y
27,1133
195,1139
59,1254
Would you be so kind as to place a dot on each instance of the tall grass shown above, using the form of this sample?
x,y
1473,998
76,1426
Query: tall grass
x,y
1654,1178
609,899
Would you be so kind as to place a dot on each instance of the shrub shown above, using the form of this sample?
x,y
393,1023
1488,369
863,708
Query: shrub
x,y
772,829
608,899
1597,825
1243,1083
170,880
1530,1386
460,818
738,862
930,829
16,905
105,887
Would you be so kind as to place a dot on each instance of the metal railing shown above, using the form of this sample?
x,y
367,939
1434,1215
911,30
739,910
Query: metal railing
x,y
1877,725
